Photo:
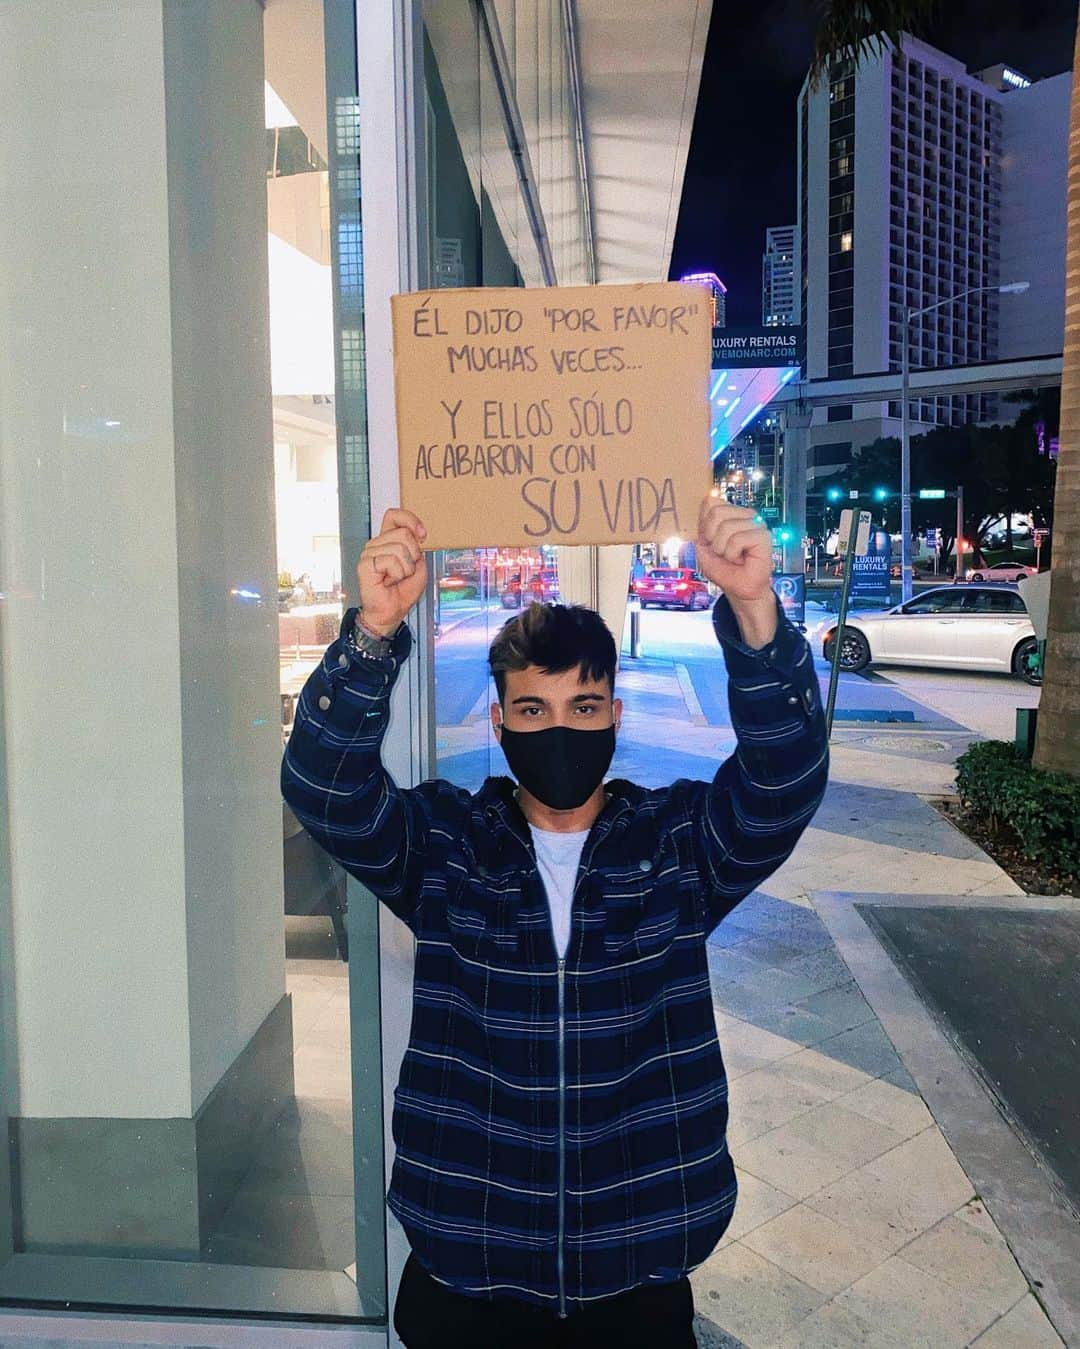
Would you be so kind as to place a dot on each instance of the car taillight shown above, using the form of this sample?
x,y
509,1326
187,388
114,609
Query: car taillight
x,y
683,585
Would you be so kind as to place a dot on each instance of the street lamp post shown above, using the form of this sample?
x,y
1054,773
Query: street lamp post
x,y
906,576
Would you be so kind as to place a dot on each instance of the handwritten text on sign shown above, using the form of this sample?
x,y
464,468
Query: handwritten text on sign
x,y
566,415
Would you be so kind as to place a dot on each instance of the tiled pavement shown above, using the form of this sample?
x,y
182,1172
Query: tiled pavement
x,y
855,1223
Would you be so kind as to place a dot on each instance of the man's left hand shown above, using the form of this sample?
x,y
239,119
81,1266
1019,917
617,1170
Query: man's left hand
x,y
733,551
736,554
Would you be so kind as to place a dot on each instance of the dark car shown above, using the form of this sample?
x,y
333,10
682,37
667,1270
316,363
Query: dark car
x,y
673,588
543,586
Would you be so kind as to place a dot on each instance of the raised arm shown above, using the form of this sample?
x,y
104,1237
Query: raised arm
x,y
749,818
332,774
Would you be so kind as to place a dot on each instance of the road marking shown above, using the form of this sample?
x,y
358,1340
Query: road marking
x,y
690,698
480,709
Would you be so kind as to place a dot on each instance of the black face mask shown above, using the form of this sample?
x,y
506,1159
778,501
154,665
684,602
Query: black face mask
x,y
561,766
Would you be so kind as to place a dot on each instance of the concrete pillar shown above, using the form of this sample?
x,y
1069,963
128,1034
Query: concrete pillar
x,y
139,627
796,429
598,577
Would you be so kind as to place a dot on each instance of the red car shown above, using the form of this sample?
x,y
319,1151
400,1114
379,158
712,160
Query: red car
x,y
673,588
543,587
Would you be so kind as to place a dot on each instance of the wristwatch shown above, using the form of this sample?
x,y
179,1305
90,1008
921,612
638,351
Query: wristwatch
x,y
367,643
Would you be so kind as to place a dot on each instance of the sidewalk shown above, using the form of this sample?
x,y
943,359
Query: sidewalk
x,y
857,1223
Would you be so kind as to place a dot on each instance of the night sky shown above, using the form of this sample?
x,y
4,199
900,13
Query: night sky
x,y
740,173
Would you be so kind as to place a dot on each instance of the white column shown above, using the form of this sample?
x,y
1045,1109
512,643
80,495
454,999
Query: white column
x,y
140,675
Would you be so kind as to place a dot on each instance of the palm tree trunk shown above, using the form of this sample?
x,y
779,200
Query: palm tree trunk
x,y
1057,744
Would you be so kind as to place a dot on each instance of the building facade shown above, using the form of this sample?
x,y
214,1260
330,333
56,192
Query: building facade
x,y
779,305
711,284
909,196
201,1020
1034,166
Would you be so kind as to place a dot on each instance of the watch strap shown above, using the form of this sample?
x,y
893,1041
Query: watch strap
x,y
367,643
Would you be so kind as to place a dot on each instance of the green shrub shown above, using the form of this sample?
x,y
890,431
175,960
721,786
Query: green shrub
x,y
999,783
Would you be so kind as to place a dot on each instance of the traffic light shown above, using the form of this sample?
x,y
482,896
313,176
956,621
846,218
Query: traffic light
x,y
783,534
881,494
835,494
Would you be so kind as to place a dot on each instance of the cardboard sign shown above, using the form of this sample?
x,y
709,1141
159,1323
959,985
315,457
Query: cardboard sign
x,y
553,416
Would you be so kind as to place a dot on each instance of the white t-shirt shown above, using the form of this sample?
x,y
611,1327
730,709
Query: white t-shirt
x,y
557,857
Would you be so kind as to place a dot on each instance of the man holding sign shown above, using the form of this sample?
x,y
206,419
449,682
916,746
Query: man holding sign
x,y
561,1114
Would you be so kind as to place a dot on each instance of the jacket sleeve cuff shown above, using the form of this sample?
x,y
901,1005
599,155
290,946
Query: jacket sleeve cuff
x,y
343,661
348,689
781,653
787,660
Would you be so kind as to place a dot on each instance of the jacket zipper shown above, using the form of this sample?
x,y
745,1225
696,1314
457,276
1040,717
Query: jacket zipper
x,y
583,871
562,1138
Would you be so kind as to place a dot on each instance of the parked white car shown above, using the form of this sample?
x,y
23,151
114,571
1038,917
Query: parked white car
x,y
1003,571
969,627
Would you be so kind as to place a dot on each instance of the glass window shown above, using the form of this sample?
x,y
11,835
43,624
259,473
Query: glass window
x,y
473,195
997,602
936,602
179,1034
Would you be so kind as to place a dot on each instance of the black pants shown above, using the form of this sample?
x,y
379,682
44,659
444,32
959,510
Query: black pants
x,y
428,1315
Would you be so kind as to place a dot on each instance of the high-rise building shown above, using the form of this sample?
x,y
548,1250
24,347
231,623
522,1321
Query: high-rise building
x,y
716,290
908,196
778,298
1034,160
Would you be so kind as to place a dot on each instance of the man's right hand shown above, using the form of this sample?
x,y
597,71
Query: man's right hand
x,y
392,572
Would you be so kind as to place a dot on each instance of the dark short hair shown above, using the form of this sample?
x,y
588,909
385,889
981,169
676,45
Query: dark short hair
x,y
555,637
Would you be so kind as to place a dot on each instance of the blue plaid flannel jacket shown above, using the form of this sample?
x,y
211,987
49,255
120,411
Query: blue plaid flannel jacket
x,y
560,1124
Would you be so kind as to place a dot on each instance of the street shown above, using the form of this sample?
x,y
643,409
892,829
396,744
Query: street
x,y
676,719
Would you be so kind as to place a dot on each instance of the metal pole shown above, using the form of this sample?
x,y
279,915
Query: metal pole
x,y
838,637
906,579
958,574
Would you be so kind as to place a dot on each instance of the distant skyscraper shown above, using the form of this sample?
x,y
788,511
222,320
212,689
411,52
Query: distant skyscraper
x,y
907,196
778,303
717,293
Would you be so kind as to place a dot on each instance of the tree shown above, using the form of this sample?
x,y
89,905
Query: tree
x,y
856,28
1057,738
999,467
